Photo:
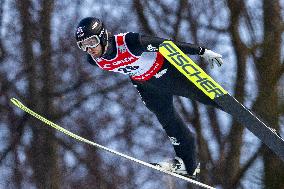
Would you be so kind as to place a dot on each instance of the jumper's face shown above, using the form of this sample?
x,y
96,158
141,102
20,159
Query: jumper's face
x,y
95,51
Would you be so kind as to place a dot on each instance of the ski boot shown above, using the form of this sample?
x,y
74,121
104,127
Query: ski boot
x,y
177,166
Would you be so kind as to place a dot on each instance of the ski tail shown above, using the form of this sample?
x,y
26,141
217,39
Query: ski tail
x,y
219,95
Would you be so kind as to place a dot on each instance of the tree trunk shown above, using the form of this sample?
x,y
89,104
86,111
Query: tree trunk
x,y
43,150
235,136
267,102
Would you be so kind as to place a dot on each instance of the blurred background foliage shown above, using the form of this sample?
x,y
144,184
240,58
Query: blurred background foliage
x,y
41,65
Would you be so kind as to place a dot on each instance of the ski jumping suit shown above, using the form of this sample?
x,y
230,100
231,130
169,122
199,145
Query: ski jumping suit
x,y
156,81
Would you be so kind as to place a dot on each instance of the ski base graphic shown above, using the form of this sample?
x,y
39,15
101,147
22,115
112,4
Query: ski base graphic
x,y
228,103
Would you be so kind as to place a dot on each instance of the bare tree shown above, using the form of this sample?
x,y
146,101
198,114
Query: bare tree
x,y
2,53
227,170
270,69
52,76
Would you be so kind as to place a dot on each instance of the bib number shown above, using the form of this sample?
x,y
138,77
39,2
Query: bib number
x,y
128,69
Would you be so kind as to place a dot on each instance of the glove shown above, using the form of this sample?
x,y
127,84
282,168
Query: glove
x,y
212,57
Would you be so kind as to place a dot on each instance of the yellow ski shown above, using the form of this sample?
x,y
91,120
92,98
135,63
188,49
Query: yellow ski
x,y
191,70
229,104
79,138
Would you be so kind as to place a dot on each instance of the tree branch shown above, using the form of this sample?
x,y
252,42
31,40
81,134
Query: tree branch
x,y
241,172
15,138
137,4
82,99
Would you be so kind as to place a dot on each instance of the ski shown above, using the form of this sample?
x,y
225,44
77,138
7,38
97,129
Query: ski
x,y
228,103
79,138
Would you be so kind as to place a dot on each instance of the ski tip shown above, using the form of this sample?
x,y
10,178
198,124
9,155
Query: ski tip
x,y
15,102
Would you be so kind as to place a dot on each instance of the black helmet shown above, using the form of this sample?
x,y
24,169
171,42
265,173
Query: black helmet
x,y
91,27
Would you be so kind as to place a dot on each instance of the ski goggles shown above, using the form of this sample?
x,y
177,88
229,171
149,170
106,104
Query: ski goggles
x,y
91,42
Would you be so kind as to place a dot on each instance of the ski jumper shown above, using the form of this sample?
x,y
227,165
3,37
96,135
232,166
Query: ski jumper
x,y
157,81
